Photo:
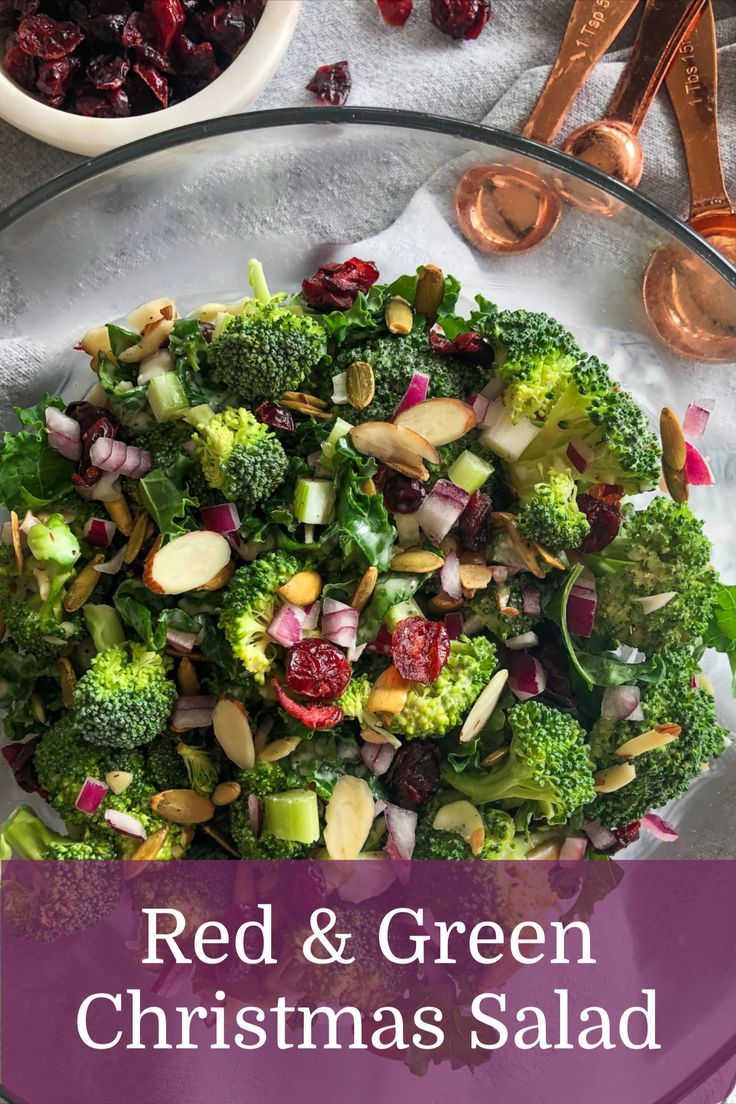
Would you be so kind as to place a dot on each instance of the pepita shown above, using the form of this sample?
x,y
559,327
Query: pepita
x,y
495,757
38,709
360,384
365,589
399,316
475,576
417,561
187,678
67,681
15,536
430,292
279,749
674,451
182,806
226,793
119,511
84,585
137,537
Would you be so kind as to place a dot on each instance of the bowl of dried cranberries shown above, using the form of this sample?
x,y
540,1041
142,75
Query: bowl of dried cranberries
x,y
90,75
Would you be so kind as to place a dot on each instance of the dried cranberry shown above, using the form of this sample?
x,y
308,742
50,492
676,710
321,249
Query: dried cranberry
x,y
230,25
331,84
19,758
197,59
400,494
43,37
93,105
468,344
336,285
557,668
395,12
95,423
474,526
166,17
625,836
54,77
107,71
317,670
414,775
155,81
119,102
270,413
604,521
20,67
460,18
106,29
610,494
420,649
313,716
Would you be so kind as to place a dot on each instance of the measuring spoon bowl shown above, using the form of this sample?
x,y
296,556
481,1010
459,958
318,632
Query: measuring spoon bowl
x,y
506,209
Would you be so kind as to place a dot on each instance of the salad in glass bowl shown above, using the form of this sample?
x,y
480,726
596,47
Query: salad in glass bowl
x,y
350,572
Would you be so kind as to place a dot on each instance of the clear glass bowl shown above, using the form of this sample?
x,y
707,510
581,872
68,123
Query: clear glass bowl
x,y
179,215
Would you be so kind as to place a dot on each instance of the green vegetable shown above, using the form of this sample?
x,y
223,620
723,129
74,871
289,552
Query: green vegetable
x,y
435,710
167,500
314,501
248,607
469,471
125,397
32,475
390,591
264,781
503,625
721,632
240,456
167,398
24,834
104,626
551,515
165,767
400,612
125,698
292,815
201,770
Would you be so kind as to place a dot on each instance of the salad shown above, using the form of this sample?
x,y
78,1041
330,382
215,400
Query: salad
x,y
352,572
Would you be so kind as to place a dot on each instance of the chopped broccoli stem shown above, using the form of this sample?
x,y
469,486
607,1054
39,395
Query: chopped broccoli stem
x,y
292,815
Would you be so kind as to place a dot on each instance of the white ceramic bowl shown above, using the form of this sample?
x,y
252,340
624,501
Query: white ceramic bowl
x,y
231,92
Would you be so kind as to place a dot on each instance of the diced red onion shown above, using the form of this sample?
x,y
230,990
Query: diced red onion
x,y
382,643
105,489
91,796
530,600
182,641
450,576
255,814
111,567
415,393
573,849
493,389
126,824
499,573
192,711
222,518
493,412
602,838
311,616
441,509
697,468
99,532
580,455
247,550
340,389
524,640
695,421
339,623
653,602
314,461
402,830
287,625
620,702
660,828
263,732
480,406
112,455
64,433
354,654
454,623
527,676
581,610
377,757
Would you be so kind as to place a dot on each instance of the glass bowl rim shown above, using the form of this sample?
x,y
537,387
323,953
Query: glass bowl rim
x,y
377,117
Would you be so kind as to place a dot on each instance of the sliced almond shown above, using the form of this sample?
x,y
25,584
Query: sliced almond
x,y
503,593
417,561
226,793
399,316
483,707
149,850
386,441
348,817
279,749
151,312
303,397
360,384
118,781
550,849
138,534
185,563
475,576
495,757
182,806
648,741
430,292
221,579
389,693
462,817
82,589
674,451
365,589
67,681
379,736
407,464
439,421
233,732
614,778
547,557
96,341
302,589
119,511
15,537
187,678
151,340
525,549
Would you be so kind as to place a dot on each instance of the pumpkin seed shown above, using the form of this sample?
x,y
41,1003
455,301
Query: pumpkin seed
x,y
360,384
399,316
279,749
15,535
119,511
416,560
84,585
365,589
67,681
226,793
182,806
38,709
430,292
674,452
136,539
495,757
187,678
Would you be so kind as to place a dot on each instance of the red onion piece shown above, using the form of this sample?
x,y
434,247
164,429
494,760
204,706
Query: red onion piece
x,y
286,625
263,732
247,550
527,676
111,567
377,757
493,389
660,828
311,616
480,406
450,576
255,814
91,796
382,643
573,849
524,640
105,489
64,433
695,420
581,610
126,824
99,532
530,602
580,455
601,838
454,623
339,623
402,829
223,518
441,509
193,711
620,702
111,455
697,468
499,573
182,641
415,393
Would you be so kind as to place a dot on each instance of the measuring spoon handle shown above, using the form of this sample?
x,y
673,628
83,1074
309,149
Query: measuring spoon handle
x,y
663,26
591,28
692,83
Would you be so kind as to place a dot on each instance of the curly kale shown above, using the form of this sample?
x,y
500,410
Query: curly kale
x,y
125,698
435,710
248,607
241,457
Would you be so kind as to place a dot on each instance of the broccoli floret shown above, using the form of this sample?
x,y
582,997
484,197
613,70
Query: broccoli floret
x,y
165,766
165,443
434,710
504,625
266,351
354,699
125,698
664,550
265,779
666,772
201,771
548,764
551,515
248,607
500,834
23,626
394,360
433,844
241,457
25,835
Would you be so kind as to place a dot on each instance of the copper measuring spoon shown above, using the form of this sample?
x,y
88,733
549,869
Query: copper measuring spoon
x,y
612,144
693,309
505,209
